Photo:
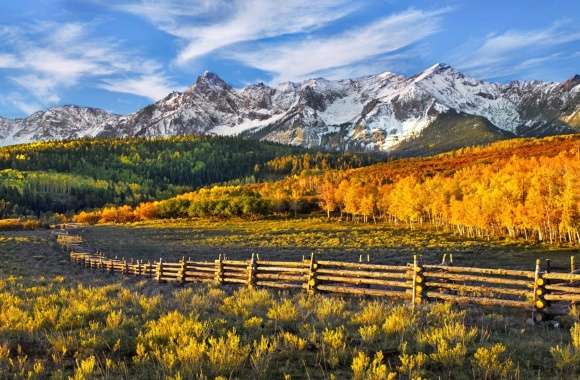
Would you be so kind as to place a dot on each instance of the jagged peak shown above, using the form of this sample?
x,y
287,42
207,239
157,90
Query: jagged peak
x,y
259,85
436,69
439,68
287,86
79,108
68,108
571,83
211,80
386,74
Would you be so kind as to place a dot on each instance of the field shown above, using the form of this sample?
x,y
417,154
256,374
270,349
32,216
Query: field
x,y
292,238
502,206
62,321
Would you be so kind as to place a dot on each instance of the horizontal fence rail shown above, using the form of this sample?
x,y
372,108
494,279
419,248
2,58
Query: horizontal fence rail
x,y
541,291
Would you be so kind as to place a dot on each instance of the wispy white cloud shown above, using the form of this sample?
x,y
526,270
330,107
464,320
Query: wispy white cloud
x,y
364,68
299,59
515,51
168,14
67,33
8,61
286,38
40,86
16,100
205,25
153,86
47,58
537,61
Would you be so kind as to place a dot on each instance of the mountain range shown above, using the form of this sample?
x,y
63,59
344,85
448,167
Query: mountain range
x,y
435,110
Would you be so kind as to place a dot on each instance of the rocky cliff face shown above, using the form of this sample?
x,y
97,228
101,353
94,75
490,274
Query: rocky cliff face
x,y
378,112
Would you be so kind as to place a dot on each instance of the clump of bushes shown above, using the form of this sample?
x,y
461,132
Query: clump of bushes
x,y
19,224
115,331
32,222
218,201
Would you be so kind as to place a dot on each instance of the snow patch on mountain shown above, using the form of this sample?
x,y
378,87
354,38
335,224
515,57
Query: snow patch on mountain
x,y
342,110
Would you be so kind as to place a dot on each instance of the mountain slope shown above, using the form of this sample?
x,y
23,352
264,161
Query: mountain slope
x,y
66,122
450,131
376,112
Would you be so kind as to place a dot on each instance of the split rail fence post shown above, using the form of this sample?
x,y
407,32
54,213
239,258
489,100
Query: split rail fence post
x,y
219,271
572,265
160,271
182,271
542,287
539,292
418,282
311,281
252,271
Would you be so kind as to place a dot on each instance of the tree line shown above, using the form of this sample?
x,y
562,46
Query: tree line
x,y
68,176
526,189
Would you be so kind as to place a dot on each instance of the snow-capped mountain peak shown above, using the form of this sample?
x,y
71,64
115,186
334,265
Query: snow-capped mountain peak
x,y
436,69
375,112
572,84
210,81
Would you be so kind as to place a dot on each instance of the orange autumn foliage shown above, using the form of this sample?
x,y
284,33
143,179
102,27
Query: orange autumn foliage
x,y
522,188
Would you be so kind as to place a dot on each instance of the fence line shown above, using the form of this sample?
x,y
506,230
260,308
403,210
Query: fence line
x,y
541,291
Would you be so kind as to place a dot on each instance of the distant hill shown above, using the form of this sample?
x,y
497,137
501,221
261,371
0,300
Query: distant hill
x,y
77,174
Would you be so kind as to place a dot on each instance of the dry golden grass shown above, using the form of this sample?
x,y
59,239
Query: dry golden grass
x,y
292,238
60,321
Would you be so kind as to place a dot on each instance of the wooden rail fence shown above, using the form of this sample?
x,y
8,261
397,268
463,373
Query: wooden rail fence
x,y
542,291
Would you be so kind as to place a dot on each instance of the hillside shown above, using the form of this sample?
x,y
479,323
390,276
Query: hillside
x,y
521,188
384,112
452,131
449,163
76,174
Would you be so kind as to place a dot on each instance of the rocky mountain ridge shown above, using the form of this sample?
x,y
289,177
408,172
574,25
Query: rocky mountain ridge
x,y
377,112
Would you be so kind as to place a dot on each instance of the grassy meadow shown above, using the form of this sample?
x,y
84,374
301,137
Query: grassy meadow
x,y
290,238
60,321
500,206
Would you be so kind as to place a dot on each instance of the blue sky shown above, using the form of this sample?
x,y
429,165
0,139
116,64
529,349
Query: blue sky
x,y
123,54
